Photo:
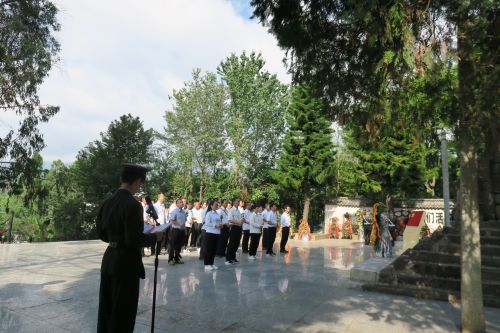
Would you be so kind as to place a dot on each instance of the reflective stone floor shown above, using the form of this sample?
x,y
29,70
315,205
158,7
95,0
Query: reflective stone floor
x,y
53,287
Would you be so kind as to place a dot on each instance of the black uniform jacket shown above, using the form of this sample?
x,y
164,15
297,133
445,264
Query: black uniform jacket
x,y
120,223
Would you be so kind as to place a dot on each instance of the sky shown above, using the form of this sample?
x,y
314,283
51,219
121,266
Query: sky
x,y
121,56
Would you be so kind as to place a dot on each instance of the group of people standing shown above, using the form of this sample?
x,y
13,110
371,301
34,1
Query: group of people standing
x,y
216,228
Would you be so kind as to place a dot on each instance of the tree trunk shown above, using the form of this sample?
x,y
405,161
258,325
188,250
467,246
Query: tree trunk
x,y
388,201
471,293
471,285
202,184
307,205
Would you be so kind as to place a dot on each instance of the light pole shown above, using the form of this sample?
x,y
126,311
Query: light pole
x,y
446,180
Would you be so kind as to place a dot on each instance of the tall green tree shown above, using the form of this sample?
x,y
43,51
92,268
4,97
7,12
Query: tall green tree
x,y
254,118
195,131
306,164
97,166
28,50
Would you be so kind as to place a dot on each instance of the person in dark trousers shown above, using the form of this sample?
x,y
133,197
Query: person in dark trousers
x,y
265,227
120,224
203,231
247,217
197,224
286,221
272,221
235,222
213,223
224,231
178,221
255,229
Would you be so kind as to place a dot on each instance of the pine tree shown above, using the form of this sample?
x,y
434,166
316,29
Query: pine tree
x,y
306,163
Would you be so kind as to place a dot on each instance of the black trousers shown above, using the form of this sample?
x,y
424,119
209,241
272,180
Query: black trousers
x,y
234,242
187,232
222,243
254,244
118,298
271,237
195,234
285,231
244,242
176,241
210,247
202,244
265,232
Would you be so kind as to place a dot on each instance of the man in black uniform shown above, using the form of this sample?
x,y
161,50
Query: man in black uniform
x,y
120,223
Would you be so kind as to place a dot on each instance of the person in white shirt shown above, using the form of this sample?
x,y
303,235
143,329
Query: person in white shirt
x,y
204,209
178,221
286,222
256,223
235,222
197,224
247,216
188,225
162,216
265,227
272,221
212,226
224,231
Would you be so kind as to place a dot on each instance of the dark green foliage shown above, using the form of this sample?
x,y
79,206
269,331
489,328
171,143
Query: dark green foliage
x,y
27,52
306,165
98,166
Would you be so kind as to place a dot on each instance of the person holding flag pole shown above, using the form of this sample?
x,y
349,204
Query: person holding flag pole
x,y
120,224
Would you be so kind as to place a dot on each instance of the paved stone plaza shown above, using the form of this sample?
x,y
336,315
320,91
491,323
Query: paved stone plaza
x,y
53,287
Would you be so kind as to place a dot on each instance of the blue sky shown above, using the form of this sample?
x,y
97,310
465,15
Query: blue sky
x,y
123,56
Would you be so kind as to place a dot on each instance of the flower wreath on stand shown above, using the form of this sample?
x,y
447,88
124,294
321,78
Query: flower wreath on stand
x,y
358,222
375,236
304,230
347,226
334,225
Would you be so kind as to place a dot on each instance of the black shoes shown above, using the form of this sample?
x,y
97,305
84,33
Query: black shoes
x,y
283,251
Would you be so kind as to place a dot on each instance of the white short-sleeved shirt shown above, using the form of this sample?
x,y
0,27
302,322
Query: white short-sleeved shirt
x,y
247,215
224,214
211,219
285,219
197,215
265,217
178,215
160,210
189,218
234,215
256,223
272,217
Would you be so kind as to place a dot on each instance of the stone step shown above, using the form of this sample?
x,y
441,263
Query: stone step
x,y
493,232
487,239
426,293
452,248
490,224
445,283
431,256
452,270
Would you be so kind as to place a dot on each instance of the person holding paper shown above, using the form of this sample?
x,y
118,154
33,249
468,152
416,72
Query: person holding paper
x,y
247,216
120,224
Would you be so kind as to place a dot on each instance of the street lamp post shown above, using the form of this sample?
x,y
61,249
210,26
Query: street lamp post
x,y
446,180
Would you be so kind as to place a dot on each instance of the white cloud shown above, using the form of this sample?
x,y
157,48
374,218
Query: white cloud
x,y
127,56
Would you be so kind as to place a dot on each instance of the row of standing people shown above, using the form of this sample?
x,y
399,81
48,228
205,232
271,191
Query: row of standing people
x,y
197,225
224,229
